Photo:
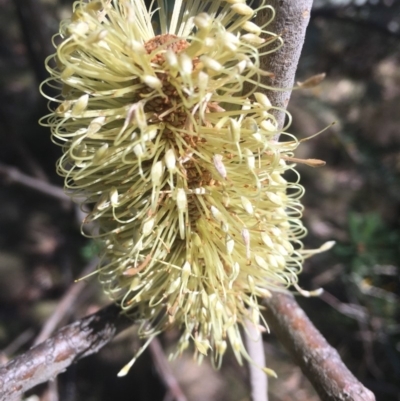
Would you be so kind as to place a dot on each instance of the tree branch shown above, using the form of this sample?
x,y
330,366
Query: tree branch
x,y
50,358
65,304
291,20
164,370
255,348
13,175
317,359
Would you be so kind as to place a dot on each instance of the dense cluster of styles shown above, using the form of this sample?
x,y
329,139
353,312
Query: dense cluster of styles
x,y
172,147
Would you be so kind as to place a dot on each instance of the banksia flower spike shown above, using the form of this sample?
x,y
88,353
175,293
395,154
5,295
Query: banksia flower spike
x,y
178,167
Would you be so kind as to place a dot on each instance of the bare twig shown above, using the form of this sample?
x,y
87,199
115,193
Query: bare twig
x,y
317,359
165,372
12,174
366,339
45,361
64,305
351,310
52,391
18,342
255,348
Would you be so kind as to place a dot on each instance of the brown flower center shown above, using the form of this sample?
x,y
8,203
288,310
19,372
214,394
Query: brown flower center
x,y
165,41
170,110
167,109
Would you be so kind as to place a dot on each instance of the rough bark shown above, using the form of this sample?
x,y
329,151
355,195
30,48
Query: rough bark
x,y
317,359
50,358
291,20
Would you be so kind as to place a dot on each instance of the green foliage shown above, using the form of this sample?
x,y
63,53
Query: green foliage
x,y
90,250
372,257
371,244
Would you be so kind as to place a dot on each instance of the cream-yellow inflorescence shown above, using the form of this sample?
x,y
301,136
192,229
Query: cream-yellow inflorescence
x,y
179,168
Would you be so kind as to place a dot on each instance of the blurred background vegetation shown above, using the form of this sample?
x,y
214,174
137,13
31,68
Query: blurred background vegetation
x,y
354,200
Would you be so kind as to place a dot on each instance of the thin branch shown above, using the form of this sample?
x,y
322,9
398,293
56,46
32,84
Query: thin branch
x,y
17,343
64,305
63,309
255,348
75,341
317,359
367,340
52,391
351,310
13,175
164,370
